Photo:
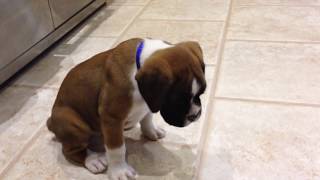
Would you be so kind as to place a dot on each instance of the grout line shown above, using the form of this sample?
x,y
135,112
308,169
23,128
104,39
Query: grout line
x,y
271,102
20,153
273,41
125,5
33,86
210,65
126,28
92,36
207,120
180,20
275,5
116,37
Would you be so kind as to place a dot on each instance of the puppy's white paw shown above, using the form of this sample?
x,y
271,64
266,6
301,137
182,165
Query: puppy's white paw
x,y
96,162
121,171
154,134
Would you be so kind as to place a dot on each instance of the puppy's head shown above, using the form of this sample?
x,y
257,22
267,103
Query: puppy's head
x,y
172,80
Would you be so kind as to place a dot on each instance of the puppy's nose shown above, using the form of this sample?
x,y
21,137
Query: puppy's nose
x,y
193,117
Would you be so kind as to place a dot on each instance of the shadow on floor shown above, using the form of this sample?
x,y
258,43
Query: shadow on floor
x,y
151,159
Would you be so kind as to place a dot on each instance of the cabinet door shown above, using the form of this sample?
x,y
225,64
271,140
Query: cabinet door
x,y
62,10
22,24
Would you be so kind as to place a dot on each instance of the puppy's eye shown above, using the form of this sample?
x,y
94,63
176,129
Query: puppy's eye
x,y
185,94
197,100
182,96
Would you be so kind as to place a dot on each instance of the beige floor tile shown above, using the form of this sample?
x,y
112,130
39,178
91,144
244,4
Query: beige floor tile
x,y
82,48
271,71
209,73
259,141
127,2
186,10
206,33
277,2
22,112
110,21
156,160
50,69
171,158
277,23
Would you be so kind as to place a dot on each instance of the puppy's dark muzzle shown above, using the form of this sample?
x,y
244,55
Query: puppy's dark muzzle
x,y
194,117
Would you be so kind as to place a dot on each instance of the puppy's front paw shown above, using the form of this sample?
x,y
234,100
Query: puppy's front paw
x,y
96,162
121,171
154,134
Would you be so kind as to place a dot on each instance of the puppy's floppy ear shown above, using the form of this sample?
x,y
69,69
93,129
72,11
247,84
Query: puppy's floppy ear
x,y
195,48
154,82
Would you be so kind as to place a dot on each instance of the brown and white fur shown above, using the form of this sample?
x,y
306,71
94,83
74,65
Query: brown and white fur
x,y
107,94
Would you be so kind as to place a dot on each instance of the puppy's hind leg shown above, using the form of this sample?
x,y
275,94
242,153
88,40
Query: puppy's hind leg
x,y
96,160
72,132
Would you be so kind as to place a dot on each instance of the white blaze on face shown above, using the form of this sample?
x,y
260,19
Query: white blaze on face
x,y
195,108
195,87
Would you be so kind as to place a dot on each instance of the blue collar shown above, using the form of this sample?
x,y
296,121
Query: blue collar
x,y
138,54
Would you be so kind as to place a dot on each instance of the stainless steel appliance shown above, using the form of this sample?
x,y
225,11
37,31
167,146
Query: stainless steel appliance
x,y
28,27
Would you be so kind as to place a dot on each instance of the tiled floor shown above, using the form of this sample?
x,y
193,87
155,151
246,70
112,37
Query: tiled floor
x,y
262,105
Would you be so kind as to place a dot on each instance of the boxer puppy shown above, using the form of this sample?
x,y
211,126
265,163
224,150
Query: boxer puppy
x,y
116,89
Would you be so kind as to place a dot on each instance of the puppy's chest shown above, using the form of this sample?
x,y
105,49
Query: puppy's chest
x,y
138,110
